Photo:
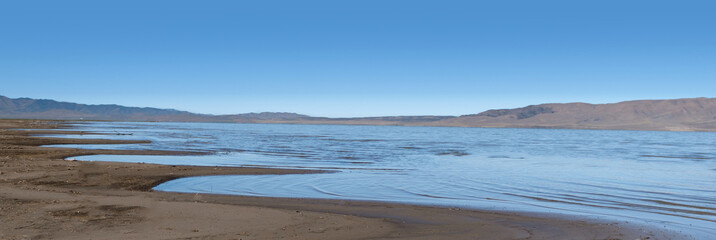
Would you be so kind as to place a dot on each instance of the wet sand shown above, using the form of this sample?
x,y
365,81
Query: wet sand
x,y
43,196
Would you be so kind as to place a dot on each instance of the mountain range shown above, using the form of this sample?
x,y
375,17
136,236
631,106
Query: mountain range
x,y
686,114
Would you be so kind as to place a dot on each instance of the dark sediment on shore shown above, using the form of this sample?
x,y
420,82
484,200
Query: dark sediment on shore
x,y
44,196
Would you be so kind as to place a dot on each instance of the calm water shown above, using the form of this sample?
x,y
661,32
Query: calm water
x,y
665,179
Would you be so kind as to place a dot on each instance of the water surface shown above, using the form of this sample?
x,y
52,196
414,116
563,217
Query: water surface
x,y
665,179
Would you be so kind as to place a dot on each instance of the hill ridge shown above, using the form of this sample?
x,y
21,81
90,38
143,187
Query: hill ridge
x,y
683,114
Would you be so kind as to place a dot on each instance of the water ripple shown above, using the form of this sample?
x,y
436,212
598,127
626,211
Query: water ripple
x,y
663,177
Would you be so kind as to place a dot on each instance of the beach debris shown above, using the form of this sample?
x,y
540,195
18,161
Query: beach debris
x,y
119,133
457,153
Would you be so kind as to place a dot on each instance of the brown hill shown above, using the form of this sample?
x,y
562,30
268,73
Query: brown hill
x,y
689,114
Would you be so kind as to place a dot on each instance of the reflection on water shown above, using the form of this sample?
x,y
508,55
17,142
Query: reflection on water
x,y
662,178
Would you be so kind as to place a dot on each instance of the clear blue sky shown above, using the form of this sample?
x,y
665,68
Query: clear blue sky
x,y
356,58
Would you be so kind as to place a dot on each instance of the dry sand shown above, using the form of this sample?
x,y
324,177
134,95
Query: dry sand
x,y
43,196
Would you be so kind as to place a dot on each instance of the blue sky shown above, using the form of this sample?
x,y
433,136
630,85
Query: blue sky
x,y
356,58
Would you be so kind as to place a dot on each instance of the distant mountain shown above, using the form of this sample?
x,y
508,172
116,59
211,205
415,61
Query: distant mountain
x,y
688,114
50,109
264,116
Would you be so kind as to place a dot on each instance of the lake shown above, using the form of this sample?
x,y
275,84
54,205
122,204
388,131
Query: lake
x,y
664,179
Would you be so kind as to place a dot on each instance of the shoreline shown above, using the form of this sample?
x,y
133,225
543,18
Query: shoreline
x,y
289,122
44,196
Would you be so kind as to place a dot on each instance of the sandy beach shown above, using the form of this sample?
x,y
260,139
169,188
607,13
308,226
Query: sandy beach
x,y
44,196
